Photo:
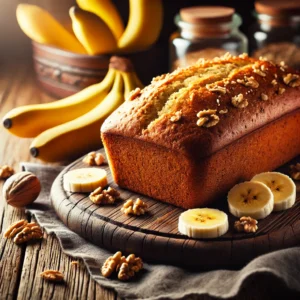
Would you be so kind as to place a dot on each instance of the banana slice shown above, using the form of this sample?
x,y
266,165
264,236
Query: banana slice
x,y
250,198
203,223
282,187
84,180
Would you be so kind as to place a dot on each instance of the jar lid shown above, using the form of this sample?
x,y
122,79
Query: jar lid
x,y
206,14
278,7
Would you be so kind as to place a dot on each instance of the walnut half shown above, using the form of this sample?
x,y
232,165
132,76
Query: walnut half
x,y
137,208
207,118
52,275
246,224
101,196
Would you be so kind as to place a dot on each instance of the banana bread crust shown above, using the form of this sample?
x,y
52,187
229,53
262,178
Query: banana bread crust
x,y
162,121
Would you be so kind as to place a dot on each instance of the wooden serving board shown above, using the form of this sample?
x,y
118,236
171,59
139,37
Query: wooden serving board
x,y
155,236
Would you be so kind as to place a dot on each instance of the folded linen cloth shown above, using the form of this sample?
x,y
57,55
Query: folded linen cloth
x,y
159,281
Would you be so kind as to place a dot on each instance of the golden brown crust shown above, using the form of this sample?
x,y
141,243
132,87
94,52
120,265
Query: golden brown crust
x,y
254,113
142,120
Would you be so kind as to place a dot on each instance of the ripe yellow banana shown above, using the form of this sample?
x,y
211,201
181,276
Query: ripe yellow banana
x,y
129,82
42,28
144,25
107,11
92,32
31,120
80,135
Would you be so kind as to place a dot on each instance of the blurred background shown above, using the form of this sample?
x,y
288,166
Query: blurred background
x,y
16,45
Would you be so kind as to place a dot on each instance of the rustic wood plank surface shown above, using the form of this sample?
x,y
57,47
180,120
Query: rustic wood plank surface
x,y
20,265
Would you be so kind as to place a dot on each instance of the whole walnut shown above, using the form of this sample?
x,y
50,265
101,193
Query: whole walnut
x,y
21,189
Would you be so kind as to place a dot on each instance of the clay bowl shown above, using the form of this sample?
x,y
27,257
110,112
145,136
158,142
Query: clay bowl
x,y
63,73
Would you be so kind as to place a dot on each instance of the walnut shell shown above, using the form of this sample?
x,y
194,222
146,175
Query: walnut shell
x,y
21,189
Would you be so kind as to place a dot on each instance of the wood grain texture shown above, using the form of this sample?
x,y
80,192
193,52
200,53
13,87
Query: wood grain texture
x,y
155,237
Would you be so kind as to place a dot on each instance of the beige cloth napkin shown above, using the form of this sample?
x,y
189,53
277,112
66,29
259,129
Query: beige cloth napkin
x,y
157,281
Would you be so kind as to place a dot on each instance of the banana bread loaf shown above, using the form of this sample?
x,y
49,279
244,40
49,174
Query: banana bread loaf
x,y
190,135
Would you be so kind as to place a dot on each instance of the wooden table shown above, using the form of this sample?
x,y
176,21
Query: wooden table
x,y
20,266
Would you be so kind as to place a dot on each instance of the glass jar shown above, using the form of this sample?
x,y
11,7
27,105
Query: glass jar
x,y
276,34
205,32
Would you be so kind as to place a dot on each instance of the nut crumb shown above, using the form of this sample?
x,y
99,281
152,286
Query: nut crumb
x,y
137,208
246,224
207,118
102,196
135,93
292,80
258,71
248,81
223,111
52,275
274,82
264,97
295,171
239,101
281,90
216,88
176,117
6,172
94,159
75,263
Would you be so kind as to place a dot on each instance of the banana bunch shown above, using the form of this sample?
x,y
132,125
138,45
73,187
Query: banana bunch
x,y
68,128
97,26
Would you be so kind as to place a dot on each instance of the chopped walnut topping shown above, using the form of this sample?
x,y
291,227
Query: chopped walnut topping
x,y
223,111
258,71
135,93
101,196
52,275
243,55
275,75
216,88
31,231
75,263
264,97
239,101
233,82
263,58
292,80
249,81
127,267
263,68
110,264
6,171
246,224
281,90
15,228
137,208
295,171
94,159
207,118
176,117
274,82
158,78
